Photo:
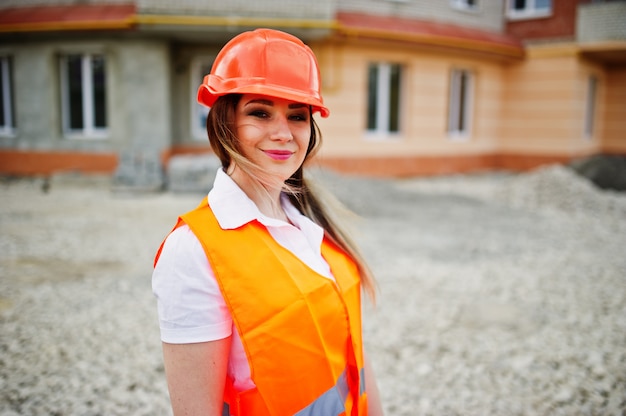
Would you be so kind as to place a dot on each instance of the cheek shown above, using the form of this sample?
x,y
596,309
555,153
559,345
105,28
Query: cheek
x,y
248,134
304,137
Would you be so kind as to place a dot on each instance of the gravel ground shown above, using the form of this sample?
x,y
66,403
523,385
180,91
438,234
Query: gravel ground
x,y
500,294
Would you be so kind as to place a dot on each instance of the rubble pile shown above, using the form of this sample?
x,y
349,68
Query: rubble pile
x,y
500,294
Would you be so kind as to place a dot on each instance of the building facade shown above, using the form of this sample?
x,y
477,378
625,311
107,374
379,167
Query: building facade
x,y
414,86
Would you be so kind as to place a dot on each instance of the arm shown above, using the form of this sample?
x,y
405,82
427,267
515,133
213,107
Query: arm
x,y
374,405
196,375
188,298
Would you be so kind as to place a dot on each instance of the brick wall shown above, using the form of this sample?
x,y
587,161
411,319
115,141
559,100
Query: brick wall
x,y
560,24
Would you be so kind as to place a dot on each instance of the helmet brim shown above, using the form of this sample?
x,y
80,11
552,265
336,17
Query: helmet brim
x,y
207,95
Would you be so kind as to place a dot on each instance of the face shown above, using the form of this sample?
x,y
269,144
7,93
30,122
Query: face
x,y
273,133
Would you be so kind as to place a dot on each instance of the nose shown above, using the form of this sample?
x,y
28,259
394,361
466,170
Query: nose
x,y
281,130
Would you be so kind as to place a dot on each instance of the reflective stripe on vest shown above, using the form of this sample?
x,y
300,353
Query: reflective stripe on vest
x,y
300,331
331,403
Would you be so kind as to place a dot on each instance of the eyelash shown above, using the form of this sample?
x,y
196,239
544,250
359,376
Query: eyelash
x,y
258,113
299,117
264,114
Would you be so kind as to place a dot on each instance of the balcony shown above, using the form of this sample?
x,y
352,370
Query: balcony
x,y
601,32
185,18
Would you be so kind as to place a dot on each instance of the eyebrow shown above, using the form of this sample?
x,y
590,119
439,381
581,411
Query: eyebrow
x,y
271,103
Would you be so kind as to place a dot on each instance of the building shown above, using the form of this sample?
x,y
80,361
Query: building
x,y
414,86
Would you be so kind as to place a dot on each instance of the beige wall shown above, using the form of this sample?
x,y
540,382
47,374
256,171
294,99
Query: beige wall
x,y
537,114
426,80
523,114
544,104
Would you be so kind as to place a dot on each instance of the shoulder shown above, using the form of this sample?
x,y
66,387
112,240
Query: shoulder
x,y
181,247
181,238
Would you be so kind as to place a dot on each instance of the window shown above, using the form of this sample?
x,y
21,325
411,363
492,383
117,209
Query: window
x,y
199,68
83,95
464,4
459,106
7,122
523,9
590,107
383,98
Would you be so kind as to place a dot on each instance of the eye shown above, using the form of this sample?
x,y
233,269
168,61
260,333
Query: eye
x,y
258,114
299,117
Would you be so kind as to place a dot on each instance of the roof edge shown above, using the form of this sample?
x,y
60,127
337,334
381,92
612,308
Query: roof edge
x,y
68,18
433,34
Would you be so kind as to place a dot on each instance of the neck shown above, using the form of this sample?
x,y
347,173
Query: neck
x,y
265,197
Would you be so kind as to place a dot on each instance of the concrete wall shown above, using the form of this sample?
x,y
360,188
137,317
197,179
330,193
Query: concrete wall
x,y
488,15
296,9
144,92
36,97
601,21
184,89
319,9
138,102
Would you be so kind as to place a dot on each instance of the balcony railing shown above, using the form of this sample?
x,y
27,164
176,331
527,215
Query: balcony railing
x,y
601,22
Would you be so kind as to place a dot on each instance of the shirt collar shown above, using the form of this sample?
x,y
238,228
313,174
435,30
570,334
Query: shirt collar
x,y
232,209
230,204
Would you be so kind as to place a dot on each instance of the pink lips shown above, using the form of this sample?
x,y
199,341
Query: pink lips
x,y
279,154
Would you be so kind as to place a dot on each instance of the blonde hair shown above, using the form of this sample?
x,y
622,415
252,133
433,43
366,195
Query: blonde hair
x,y
302,194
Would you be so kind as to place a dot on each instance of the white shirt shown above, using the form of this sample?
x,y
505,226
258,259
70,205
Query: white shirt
x,y
190,305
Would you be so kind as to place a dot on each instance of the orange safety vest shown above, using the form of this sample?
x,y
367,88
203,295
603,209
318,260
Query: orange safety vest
x,y
300,331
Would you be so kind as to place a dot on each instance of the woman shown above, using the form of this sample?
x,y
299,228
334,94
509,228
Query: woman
x,y
258,290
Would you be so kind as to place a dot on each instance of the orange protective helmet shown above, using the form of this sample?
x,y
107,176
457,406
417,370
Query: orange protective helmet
x,y
267,62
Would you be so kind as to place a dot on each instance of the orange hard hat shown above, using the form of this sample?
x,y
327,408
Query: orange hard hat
x,y
267,62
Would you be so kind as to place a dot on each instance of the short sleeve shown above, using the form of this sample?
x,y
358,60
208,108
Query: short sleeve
x,y
190,305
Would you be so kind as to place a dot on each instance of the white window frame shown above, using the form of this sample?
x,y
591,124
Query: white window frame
x,y
8,128
198,111
383,110
591,104
531,11
89,130
464,5
460,104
